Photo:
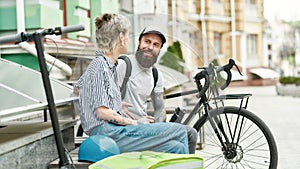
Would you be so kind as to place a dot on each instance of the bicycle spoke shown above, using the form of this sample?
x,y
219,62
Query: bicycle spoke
x,y
244,163
255,155
255,162
245,130
249,135
251,144
213,136
217,157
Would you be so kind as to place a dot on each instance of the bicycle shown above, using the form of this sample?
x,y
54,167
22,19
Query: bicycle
x,y
230,136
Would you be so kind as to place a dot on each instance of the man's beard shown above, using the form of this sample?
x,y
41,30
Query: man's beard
x,y
144,61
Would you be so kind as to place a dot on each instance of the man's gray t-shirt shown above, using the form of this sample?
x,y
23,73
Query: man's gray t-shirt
x,y
139,86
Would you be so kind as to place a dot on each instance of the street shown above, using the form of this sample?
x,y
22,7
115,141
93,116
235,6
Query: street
x,y
280,113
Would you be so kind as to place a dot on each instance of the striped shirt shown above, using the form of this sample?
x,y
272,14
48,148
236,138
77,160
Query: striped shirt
x,y
97,88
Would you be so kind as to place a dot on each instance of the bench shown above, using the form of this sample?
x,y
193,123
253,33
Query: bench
x,y
74,156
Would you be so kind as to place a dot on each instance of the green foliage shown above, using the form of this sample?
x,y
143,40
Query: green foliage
x,y
177,50
294,24
220,79
173,58
289,80
215,62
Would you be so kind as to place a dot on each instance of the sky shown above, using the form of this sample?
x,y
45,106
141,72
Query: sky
x,y
282,9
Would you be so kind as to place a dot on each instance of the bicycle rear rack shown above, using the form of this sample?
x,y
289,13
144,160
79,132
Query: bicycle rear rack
x,y
235,96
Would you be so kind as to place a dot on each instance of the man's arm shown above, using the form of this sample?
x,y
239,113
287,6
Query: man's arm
x,y
159,106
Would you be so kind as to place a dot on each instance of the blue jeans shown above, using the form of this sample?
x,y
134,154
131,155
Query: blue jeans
x,y
159,137
192,139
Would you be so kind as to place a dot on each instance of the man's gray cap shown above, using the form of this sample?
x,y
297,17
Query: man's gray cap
x,y
155,30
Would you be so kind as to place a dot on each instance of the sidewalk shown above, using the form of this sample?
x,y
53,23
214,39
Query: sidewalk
x,y
281,114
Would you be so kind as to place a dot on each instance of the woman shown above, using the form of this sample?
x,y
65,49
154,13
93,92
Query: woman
x,y
100,98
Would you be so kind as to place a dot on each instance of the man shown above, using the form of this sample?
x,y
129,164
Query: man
x,y
140,85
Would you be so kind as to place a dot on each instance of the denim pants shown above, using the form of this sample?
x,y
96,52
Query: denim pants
x,y
192,139
159,137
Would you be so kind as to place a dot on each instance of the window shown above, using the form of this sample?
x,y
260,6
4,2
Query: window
x,y
252,44
251,10
269,47
252,2
252,53
81,12
218,42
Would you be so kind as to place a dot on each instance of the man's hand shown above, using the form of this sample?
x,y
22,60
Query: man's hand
x,y
146,120
125,110
125,105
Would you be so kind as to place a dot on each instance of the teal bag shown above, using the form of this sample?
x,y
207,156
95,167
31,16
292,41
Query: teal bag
x,y
150,160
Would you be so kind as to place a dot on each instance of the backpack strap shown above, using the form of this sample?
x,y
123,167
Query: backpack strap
x,y
155,75
127,74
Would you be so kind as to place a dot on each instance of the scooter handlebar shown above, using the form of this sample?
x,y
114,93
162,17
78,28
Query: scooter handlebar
x,y
72,28
11,38
20,37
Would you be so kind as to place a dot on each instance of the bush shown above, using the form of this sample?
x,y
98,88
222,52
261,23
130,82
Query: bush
x,y
289,80
173,58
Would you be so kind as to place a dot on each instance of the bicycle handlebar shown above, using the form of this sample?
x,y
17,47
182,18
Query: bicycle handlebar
x,y
204,74
227,69
23,36
198,77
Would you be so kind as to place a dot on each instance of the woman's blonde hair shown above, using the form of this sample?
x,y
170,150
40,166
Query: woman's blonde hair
x,y
108,28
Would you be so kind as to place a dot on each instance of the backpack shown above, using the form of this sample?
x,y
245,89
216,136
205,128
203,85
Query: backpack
x,y
128,74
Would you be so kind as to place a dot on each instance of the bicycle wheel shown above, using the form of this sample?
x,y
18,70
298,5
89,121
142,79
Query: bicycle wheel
x,y
255,148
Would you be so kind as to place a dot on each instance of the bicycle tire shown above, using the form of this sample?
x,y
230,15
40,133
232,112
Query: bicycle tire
x,y
256,148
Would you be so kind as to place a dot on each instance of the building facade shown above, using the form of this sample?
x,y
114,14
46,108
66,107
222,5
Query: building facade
x,y
229,29
206,29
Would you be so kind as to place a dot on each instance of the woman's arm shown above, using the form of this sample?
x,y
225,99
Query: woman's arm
x,y
113,117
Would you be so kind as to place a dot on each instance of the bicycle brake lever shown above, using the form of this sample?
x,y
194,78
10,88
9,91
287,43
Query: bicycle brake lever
x,y
238,69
